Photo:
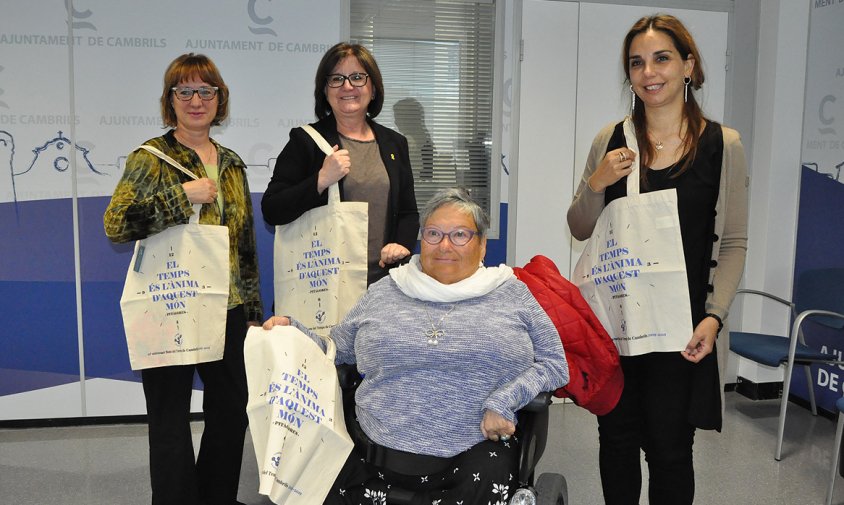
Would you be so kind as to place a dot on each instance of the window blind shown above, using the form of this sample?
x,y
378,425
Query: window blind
x,y
436,58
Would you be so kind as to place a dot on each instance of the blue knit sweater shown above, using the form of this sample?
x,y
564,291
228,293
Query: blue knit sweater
x,y
497,352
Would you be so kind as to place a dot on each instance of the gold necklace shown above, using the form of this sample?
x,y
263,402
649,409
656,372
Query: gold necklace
x,y
660,145
436,332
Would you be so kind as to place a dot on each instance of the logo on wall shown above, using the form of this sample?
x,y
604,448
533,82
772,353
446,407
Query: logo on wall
x,y
823,118
263,21
80,25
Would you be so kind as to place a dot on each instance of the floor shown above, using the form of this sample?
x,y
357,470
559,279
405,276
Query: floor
x,y
107,465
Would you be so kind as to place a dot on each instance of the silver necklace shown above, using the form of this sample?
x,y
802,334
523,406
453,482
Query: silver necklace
x,y
659,145
436,332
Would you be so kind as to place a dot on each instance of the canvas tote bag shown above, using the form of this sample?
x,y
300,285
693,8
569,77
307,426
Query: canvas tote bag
x,y
295,411
632,271
320,259
176,293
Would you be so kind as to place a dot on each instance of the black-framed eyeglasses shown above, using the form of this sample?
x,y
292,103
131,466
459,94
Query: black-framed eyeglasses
x,y
458,237
185,93
357,79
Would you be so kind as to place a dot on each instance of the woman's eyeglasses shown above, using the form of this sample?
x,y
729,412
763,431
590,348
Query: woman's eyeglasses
x,y
185,93
357,80
458,237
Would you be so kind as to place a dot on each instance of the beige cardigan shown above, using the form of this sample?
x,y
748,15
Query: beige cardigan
x,y
730,222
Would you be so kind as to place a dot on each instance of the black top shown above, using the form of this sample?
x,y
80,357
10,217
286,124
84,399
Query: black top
x,y
293,188
697,194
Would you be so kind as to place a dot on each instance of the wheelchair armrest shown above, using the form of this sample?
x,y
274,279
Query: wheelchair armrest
x,y
539,403
533,425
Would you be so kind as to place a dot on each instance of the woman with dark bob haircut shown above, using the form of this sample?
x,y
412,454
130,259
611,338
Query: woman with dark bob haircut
x,y
370,162
152,196
668,395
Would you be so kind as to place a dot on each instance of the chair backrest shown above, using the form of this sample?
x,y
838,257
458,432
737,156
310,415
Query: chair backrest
x,y
821,289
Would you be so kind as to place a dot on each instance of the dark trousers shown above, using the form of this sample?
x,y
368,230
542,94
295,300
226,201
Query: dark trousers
x,y
652,415
211,479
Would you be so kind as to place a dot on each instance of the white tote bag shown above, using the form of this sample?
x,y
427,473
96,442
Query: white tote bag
x,y
176,293
295,414
320,259
632,271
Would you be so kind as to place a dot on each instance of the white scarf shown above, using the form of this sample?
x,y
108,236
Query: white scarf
x,y
415,283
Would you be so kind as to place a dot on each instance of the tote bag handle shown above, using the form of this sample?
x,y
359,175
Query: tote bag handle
x,y
633,145
197,207
324,146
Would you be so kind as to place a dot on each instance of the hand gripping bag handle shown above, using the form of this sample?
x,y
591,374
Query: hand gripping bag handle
x,y
324,146
197,207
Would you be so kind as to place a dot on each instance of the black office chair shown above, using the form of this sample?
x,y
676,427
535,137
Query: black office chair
x,y
548,489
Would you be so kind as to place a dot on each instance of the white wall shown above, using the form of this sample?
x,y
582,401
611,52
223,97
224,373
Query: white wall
x,y
571,86
774,170
547,111
88,75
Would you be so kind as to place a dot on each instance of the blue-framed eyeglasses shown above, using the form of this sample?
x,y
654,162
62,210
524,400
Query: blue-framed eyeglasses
x,y
185,93
357,79
458,237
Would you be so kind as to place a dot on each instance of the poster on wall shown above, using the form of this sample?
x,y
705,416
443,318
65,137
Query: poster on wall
x,y
80,87
819,230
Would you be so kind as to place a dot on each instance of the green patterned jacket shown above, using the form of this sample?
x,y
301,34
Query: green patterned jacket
x,y
149,198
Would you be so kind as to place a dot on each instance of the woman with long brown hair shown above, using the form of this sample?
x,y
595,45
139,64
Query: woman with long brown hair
x,y
667,395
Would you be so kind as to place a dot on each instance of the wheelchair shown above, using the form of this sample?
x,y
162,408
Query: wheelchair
x,y
547,489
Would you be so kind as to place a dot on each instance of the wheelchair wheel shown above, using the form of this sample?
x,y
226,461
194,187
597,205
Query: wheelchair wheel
x,y
551,489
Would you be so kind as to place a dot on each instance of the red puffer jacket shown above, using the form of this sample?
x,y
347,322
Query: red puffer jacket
x,y
595,377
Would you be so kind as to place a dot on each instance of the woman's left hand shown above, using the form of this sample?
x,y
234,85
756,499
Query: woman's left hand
x,y
495,427
703,340
392,253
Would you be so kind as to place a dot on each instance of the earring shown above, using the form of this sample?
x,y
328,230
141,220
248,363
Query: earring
x,y
632,100
686,81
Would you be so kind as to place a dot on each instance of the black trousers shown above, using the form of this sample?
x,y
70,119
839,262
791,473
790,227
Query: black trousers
x,y
652,415
213,477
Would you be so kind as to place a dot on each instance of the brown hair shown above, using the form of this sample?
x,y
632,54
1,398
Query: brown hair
x,y
326,66
184,68
692,113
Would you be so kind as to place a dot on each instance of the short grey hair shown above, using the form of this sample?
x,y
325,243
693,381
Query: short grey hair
x,y
460,199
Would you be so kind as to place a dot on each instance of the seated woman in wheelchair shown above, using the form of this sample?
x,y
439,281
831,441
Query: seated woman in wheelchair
x,y
449,350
